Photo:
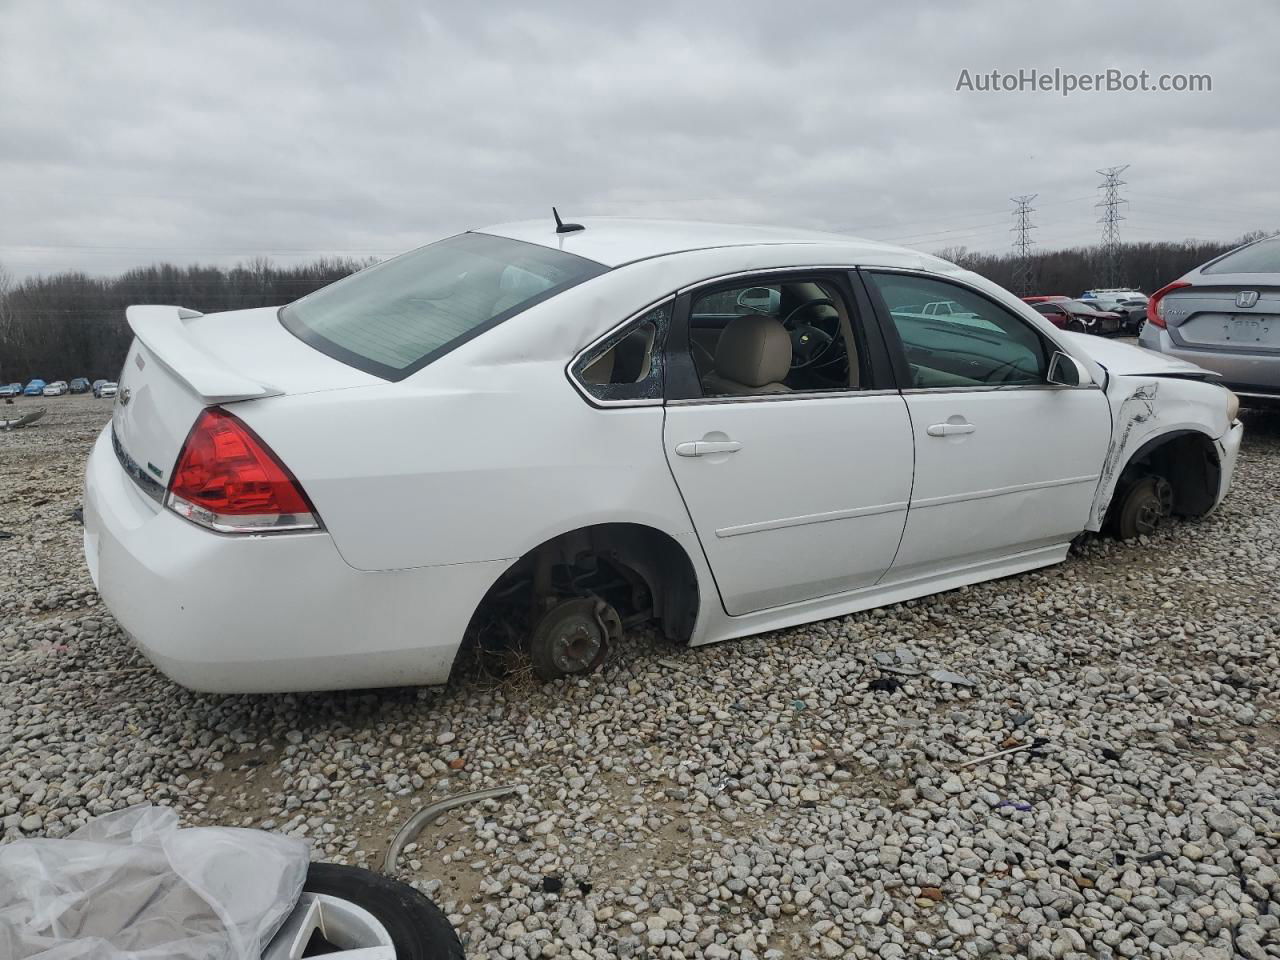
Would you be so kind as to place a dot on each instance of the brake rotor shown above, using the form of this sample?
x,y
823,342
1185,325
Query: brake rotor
x,y
573,637
1156,509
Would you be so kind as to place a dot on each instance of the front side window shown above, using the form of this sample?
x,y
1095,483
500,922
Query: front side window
x,y
398,316
628,364
978,344
784,336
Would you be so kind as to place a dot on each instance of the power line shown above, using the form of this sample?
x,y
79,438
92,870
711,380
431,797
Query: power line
x,y
1022,227
1110,220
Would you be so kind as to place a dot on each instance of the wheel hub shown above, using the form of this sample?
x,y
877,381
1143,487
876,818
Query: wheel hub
x,y
573,637
577,644
1155,509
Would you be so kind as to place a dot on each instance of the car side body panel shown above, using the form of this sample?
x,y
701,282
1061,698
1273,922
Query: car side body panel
x,y
1024,477
485,468
429,488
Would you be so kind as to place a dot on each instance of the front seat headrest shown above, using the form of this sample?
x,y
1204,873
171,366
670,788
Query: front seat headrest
x,y
754,350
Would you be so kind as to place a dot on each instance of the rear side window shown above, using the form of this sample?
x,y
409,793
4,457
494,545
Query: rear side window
x,y
1260,257
398,316
628,365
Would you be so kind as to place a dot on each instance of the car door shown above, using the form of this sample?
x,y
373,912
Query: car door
x,y
1005,461
797,471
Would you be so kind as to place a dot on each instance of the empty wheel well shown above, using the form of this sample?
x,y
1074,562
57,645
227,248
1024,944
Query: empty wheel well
x,y
1188,460
642,572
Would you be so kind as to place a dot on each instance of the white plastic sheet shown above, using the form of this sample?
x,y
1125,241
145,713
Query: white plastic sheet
x,y
132,885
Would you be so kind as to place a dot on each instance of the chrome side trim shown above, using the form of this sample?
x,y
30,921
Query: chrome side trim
x,y
146,483
777,397
784,522
997,387
1000,491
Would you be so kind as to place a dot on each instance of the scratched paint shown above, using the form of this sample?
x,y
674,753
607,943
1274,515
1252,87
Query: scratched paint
x,y
1136,409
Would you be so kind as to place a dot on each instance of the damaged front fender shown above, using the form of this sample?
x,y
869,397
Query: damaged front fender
x,y
1145,411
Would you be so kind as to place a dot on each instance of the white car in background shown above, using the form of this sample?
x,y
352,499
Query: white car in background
x,y
545,433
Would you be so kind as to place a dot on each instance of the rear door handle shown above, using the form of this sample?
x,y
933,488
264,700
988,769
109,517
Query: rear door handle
x,y
702,448
949,429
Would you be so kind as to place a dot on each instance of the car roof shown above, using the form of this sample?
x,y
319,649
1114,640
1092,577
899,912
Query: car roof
x,y
614,241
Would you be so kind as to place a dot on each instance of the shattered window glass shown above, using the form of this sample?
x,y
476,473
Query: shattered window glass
x,y
628,365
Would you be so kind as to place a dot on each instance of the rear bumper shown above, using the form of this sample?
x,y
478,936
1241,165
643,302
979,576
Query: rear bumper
x,y
1248,374
256,614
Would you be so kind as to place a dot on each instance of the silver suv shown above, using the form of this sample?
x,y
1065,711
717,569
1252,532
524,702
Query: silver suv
x,y
1225,316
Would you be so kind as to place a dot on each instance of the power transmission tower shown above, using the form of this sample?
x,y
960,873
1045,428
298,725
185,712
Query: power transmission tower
x,y
1022,227
1110,220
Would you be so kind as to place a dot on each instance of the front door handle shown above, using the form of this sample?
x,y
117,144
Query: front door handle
x,y
703,448
949,429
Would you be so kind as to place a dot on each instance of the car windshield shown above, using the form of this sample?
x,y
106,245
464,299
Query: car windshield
x,y
1260,257
396,317
1084,306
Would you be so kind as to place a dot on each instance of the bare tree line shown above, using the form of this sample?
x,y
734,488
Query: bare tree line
x,y
1145,266
72,324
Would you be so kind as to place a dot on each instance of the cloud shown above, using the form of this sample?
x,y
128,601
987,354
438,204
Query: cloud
x,y
137,132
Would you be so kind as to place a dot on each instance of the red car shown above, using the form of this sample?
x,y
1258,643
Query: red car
x,y
1080,317
1049,299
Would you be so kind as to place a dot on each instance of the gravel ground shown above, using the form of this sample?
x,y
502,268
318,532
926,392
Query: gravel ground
x,y
776,797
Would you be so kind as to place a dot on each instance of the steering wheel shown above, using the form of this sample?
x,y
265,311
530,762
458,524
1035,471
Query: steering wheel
x,y
810,344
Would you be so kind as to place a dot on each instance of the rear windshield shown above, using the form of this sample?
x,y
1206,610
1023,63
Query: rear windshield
x,y
398,316
1260,257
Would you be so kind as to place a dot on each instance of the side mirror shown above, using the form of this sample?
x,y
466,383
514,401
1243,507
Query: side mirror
x,y
760,299
1067,371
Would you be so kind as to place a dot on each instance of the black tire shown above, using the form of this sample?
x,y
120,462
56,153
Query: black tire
x,y
418,928
1144,506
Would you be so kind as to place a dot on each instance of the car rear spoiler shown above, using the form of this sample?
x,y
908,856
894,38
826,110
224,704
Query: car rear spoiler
x,y
164,333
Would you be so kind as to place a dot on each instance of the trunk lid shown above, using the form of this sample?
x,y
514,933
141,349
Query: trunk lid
x,y
182,361
1213,317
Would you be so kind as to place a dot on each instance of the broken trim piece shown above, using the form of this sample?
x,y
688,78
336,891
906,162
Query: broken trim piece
x,y
415,824
16,423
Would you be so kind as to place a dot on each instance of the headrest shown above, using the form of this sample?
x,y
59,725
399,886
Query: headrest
x,y
754,349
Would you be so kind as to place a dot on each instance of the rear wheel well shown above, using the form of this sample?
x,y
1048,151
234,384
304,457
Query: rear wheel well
x,y
641,572
1187,459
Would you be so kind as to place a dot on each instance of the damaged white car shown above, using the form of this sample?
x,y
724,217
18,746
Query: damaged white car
x,y
548,432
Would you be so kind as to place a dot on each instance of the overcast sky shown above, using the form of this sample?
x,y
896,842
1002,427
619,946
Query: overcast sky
x,y
135,132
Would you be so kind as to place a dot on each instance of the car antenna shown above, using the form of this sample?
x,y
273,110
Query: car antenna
x,y
562,227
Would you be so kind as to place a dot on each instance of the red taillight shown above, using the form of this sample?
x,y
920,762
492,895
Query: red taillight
x,y
1155,308
228,480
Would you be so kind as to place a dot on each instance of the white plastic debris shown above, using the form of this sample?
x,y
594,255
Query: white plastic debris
x,y
132,885
949,676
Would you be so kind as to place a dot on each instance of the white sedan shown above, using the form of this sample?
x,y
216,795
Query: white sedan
x,y
541,434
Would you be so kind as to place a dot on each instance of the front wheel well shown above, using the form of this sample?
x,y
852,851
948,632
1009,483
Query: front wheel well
x,y
1188,460
641,572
